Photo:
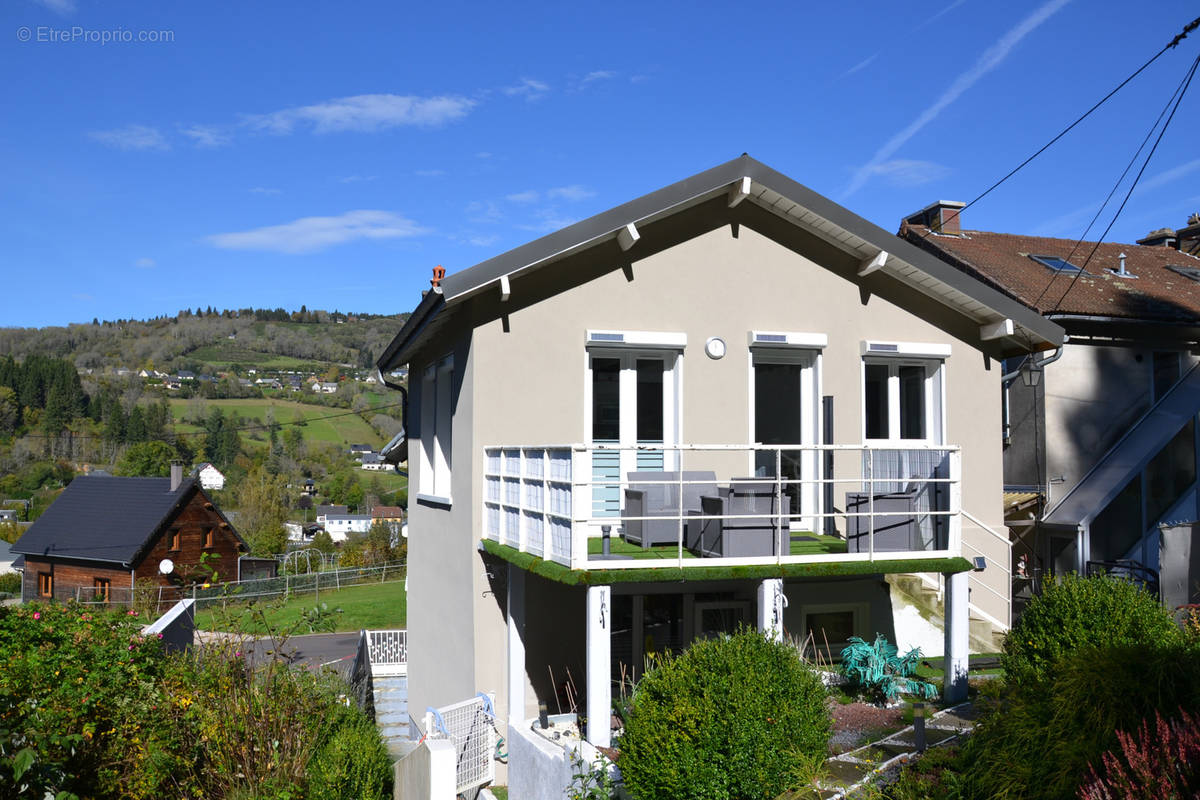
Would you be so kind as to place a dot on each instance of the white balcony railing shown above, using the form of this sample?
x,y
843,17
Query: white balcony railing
x,y
619,507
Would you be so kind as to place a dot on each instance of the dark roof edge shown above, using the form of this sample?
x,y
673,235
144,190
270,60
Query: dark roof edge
x,y
395,353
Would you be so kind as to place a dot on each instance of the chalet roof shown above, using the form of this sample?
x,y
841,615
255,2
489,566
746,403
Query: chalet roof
x,y
332,510
102,518
741,180
1158,293
387,512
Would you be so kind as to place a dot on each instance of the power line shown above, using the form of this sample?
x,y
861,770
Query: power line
x,y
1191,26
1175,96
1191,73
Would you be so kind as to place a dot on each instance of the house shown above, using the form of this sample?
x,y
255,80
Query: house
x,y
359,449
6,558
210,477
8,515
186,375
728,401
103,533
392,515
1100,445
340,526
310,487
374,462
324,511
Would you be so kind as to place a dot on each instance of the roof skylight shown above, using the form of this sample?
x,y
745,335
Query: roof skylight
x,y
1187,272
1057,264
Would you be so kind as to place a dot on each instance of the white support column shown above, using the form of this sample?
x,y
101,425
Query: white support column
x,y
770,608
954,689
599,665
516,646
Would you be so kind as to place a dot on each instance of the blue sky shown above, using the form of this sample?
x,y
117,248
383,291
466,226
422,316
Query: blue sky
x,y
278,154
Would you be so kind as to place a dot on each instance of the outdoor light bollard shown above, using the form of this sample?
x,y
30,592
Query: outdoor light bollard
x,y
605,545
919,726
543,716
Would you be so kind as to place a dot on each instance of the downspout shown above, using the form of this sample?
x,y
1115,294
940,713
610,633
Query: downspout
x,y
399,444
1012,376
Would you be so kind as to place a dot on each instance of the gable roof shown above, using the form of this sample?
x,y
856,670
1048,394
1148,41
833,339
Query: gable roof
x,y
102,518
1158,293
770,190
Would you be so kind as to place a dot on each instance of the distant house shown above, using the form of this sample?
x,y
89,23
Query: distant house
x,y
8,515
340,526
173,382
325,511
360,449
186,375
310,487
394,516
374,462
103,533
210,477
6,558
325,387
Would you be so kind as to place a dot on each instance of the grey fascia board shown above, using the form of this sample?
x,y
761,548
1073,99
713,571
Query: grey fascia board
x,y
396,352
697,189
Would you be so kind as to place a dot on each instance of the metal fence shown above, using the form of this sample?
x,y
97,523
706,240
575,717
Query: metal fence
x,y
263,589
388,651
470,726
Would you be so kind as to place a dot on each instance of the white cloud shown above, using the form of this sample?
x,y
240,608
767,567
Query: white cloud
x,y
132,137
483,211
63,7
483,154
523,198
365,113
908,172
528,88
359,178
548,220
310,234
573,192
145,263
206,135
265,190
940,14
990,59
483,241
597,75
1173,174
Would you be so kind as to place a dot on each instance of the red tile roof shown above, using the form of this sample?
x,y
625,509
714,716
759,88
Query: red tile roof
x,y
1002,260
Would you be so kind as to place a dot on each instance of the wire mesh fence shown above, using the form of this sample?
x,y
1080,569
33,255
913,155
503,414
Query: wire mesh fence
x,y
208,595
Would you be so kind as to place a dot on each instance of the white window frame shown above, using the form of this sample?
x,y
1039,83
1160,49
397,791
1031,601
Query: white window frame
x,y
935,398
437,392
672,396
806,350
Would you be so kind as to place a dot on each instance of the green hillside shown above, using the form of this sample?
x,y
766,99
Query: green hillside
x,y
344,429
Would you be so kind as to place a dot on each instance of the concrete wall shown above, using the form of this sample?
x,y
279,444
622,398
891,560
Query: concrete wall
x,y
541,769
426,773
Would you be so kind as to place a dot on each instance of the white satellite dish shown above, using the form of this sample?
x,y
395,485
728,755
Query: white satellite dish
x,y
166,566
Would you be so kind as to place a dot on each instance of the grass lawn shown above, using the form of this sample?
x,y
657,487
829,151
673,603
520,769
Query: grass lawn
x,y
341,430
368,605
803,544
225,355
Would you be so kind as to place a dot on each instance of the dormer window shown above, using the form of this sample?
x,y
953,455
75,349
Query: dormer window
x,y
1057,264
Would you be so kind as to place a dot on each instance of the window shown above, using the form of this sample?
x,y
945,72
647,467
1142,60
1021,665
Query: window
x,y
176,540
208,538
902,400
45,584
436,412
100,589
1057,264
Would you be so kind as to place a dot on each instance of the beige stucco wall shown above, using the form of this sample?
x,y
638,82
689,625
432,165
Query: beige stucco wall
x,y
522,366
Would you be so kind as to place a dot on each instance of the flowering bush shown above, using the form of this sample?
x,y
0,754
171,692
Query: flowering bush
x,y
1154,762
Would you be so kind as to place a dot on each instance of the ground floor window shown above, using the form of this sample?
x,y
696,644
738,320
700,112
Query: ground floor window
x,y
827,628
101,588
45,584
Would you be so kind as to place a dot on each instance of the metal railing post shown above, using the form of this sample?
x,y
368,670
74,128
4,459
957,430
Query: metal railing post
x,y
779,507
679,510
871,504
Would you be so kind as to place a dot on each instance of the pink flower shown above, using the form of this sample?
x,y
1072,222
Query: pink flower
x,y
238,654
130,647
160,636
37,615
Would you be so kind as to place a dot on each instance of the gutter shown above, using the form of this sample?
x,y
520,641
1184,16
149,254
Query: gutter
x,y
1005,380
396,450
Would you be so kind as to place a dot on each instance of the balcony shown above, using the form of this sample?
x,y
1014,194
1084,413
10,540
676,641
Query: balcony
x,y
860,508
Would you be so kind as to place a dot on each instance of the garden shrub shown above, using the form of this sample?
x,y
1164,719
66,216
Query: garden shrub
x,y
882,671
352,762
1153,763
10,582
734,717
1038,740
1080,612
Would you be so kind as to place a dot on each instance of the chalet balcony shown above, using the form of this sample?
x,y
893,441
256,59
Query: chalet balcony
x,y
614,507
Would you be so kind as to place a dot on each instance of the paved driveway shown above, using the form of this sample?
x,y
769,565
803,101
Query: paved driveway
x,y
335,650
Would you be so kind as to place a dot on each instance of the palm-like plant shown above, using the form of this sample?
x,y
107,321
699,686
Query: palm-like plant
x,y
879,668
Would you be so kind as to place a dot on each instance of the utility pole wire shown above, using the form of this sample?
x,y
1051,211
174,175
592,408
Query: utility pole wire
x,y
1187,83
1191,26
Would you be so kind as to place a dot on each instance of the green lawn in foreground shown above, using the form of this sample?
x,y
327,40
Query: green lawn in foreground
x,y
803,544
369,605
340,430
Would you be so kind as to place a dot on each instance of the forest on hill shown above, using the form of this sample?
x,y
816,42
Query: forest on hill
x,y
212,340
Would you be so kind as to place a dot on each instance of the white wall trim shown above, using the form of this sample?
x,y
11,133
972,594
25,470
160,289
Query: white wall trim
x,y
787,339
883,349
611,338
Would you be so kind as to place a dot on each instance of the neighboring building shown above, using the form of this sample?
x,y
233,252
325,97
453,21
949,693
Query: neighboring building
x,y
340,526
394,516
103,533
6,558
374,461
324,511
8,515
1101,450
359,449
310,487
819,381
210,477
325,387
